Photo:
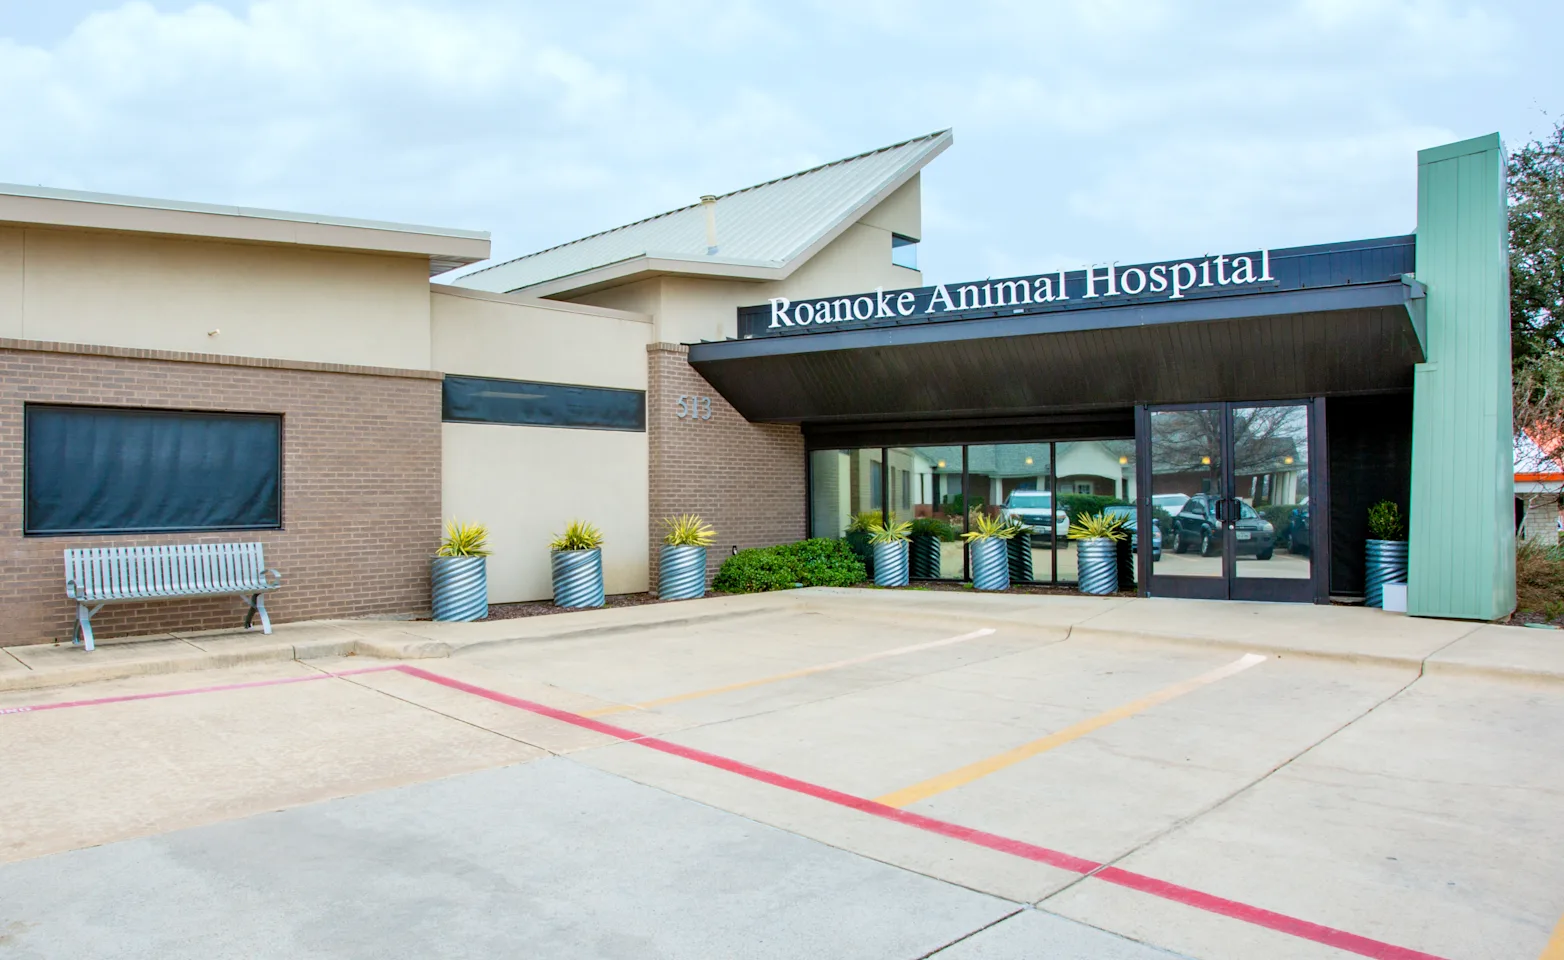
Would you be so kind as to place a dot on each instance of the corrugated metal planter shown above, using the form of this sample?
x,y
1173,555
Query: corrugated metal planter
x,y
1097,565
990,565
578,578
890,564
681,572
459,587
1019,548
1387,563
925,556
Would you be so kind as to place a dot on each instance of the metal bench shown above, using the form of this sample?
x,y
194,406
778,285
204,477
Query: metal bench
x,y
96,577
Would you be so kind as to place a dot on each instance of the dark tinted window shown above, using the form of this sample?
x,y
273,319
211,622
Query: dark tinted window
x,y
484,400
116,470
1195,508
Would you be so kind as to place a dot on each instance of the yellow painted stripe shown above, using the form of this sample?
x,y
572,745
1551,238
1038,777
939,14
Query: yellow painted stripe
x,y
982,768
1555,948
806,671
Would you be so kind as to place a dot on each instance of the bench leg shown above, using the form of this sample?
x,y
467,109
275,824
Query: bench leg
x,y
258,605
84,625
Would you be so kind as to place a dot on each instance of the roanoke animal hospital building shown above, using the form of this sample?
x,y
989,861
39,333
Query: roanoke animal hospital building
x,y
770,359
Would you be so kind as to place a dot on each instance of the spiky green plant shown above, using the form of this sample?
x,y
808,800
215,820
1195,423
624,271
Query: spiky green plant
x,y
861,522
896,532
1098,527
688,530
985,527
464,540
1386,522
578,535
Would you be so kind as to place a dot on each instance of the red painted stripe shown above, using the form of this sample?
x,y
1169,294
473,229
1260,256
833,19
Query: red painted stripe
x,y
1018,848
1330,936
1280,922
126,698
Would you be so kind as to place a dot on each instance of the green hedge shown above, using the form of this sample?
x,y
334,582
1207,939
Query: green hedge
x,y
1280,517
819,562
1075,504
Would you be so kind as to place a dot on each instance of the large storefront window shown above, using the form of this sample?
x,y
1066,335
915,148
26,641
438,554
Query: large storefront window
x,y
925,487
941,488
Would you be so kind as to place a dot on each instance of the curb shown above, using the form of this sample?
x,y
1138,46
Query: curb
x,y
29,679
409,647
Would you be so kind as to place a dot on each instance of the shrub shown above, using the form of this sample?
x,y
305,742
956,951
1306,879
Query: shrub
x,y
1539,578
818,562
1385,522
956,504
1279,517
933,527
1075,504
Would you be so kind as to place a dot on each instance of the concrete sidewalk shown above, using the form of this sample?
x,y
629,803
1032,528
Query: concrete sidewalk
x,y
1349,634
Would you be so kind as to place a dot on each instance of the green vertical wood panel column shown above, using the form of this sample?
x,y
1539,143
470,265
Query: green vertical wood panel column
x,y
1462,524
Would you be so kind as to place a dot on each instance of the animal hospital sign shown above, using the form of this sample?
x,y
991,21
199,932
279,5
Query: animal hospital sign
x,y
1094,286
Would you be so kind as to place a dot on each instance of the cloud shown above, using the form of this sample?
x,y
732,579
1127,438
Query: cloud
x,y
1088,129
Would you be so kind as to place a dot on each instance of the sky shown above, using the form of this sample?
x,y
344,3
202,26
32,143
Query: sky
x,y
1085,132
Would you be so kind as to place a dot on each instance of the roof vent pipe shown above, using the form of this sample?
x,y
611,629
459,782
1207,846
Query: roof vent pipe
x,y
709,202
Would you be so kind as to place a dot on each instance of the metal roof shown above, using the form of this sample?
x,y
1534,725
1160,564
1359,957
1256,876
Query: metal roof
x,y
446,248
761,230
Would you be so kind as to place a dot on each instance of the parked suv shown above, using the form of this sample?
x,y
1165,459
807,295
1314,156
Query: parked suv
x,y
1032,508
1196,525
1127,511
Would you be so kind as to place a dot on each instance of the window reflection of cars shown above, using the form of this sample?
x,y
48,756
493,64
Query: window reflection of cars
x,y
1298,529
1032,508
1196,527
1128,513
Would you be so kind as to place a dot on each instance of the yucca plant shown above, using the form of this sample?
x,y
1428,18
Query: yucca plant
x,y
578,535
895,532
1097,527
861,522
985,527
464,540
688,530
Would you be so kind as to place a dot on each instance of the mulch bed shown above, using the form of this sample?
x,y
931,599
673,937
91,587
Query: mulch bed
x,y
539,608
1521,618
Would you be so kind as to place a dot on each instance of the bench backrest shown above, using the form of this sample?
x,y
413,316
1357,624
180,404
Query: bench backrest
x,y
127,573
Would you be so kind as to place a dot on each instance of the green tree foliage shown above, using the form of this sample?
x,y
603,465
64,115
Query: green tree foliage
x,y
1536,183
1536,176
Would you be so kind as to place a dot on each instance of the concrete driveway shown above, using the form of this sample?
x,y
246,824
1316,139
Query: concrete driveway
x,y
832,774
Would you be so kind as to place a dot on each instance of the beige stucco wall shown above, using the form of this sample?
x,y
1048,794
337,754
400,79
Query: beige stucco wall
x,y
518,338
525,483
165,293
690,309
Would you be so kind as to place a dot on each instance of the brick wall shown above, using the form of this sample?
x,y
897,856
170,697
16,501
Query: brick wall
x,y
1542,517
746,479
361,484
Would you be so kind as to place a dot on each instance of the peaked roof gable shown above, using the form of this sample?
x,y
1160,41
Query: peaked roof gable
x,y
763,232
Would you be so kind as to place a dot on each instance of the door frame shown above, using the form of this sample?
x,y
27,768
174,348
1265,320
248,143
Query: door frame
x,y
1229,586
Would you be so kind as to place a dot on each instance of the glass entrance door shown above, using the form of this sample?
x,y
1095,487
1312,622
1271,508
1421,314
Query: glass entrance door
x,y
1229,489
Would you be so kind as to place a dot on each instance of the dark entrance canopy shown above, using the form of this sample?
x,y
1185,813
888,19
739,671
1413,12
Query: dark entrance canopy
x,y
1337,319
